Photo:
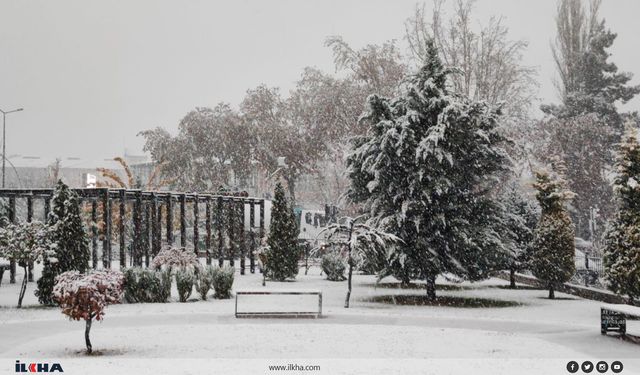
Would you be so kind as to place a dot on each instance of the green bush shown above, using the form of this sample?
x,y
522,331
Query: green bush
x,y
145,285
204,281
185,278
333,266
222,280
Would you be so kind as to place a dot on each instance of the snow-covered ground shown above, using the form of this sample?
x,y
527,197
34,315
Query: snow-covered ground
x,y
535,335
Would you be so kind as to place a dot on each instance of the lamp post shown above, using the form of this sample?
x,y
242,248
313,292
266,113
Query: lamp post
x,y
4,139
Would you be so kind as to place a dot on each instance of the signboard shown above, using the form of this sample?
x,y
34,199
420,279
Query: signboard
x,y
612,321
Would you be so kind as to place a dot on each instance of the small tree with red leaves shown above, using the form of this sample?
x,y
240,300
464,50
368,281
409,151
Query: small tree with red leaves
x,y
85,296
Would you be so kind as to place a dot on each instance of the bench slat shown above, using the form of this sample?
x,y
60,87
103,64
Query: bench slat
x,y
279,313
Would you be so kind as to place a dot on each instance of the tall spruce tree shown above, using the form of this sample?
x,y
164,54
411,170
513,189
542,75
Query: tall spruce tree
x,y
67,235
622,240
553,247
283,253
424,172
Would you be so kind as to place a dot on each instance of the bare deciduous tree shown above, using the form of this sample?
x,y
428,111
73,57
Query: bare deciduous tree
x,y
489,63
575,27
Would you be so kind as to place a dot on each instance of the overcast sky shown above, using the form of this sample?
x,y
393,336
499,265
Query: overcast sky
x,y
91,74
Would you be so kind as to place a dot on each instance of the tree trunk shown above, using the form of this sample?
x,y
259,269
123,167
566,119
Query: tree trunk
x,y
23,287
346,302
551,292
512,278
86,335
431,287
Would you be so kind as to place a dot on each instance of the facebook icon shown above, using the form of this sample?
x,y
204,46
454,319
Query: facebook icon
x,y
572,367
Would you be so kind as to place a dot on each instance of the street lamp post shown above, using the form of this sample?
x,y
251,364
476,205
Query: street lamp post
x,y
4,140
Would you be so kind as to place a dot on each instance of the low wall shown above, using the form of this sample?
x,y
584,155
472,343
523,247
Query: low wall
x,y
576,290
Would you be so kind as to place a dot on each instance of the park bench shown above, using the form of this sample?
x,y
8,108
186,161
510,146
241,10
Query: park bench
x,y
278,307
613,318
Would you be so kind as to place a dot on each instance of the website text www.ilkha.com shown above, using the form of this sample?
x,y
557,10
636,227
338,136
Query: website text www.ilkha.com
x,y
294,367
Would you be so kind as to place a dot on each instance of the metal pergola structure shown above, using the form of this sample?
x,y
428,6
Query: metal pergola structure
x,y
149,210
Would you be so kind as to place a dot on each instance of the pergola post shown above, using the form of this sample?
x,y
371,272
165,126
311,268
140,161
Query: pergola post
x,y
29,219
169,219
261,220
155,229
12,219
137,230
208,228
183,220
196,223
159,231
122,201
94,233
106,219
241,235
219,222
252,248
231,213
147,232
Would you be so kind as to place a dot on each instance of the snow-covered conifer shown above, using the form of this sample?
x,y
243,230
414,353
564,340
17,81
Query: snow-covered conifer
x,y
282,253
521,217
67,233
553,247
622,240
425,170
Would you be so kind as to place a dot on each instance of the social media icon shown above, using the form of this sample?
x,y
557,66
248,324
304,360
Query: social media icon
x,y
572,367
616,367
587,367
602,367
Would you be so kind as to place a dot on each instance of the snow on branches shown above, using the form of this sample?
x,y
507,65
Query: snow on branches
x,y
85,296
26,243
361,241
175,258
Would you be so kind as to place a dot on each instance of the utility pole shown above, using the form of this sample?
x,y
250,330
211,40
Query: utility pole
x,y
4,140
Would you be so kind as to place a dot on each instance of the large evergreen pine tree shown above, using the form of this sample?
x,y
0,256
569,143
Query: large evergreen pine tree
x,y
622,240
553,247
425,170
67,235
283,254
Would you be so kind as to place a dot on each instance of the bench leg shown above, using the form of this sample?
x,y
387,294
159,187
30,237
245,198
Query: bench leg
x,y
1,274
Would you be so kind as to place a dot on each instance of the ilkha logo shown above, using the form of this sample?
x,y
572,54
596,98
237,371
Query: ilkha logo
x,y
38,367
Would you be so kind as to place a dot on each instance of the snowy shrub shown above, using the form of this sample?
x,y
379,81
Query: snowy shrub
x,y
25,243
223,281
185,278
173,258
146,285
333,266
85,296
204,281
